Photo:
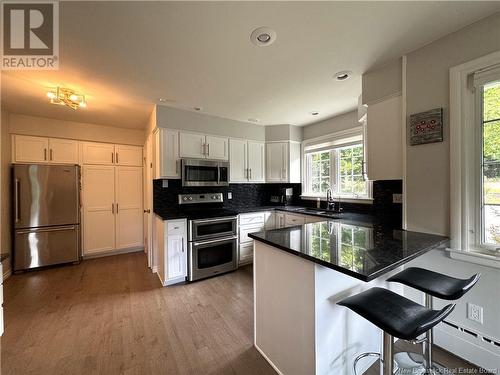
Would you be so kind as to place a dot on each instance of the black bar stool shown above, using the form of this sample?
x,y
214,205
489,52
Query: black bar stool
x,y
397,316
433,284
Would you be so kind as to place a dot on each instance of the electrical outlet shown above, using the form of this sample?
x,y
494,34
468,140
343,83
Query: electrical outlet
x,y
229,195
475,313
397,198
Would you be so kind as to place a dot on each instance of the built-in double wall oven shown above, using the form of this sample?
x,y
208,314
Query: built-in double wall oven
x,y
212,236
213,246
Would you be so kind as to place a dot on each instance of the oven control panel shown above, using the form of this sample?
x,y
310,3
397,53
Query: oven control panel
x,y
201,198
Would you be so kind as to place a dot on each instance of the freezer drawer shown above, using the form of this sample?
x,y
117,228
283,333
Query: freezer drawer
x,y
38,247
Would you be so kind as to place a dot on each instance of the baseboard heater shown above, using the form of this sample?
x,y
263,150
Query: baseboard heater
x,y
472,333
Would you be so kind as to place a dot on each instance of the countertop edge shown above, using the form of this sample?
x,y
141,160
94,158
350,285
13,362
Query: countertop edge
x,y
346,271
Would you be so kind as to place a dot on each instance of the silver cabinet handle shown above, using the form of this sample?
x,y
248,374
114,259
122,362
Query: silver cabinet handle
x,y
72,227
250,173
112,158
203,152
176,166
17,202
117,208
44,154
117,158
182,244
112,208
208,148
51,154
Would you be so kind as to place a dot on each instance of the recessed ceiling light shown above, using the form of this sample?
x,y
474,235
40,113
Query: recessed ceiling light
x,y
162,100
314,113
263,36
197,108
253,119
343,75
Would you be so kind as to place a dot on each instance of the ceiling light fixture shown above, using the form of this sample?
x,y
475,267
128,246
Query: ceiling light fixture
x,y
197,108
315,113
253,120
263,36
343,75
67,97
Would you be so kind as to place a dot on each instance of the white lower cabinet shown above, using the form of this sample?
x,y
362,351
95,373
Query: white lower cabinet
x,y
112,208
171,250
293,219
251,223
280,220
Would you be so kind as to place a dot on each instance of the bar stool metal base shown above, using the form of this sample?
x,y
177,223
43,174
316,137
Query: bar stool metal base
x,y
410,363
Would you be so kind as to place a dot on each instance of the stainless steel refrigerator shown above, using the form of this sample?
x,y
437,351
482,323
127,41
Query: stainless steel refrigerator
x,y
46,215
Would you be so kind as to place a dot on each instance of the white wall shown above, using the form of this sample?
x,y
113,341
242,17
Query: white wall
x,y
172,118
284,133
46,127
342,122
382,83
428,166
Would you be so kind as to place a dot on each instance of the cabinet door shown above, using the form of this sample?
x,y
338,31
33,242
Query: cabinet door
x,y
383,138
98,153
275,162
63,151
270,220
128,155
280,220
256,165
98,184
128,198
191,145
30,149
238,160
246,253
217,147
176,257
168,155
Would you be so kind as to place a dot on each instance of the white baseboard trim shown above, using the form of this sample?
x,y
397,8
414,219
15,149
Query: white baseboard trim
x,y
268,360
154,269
113,252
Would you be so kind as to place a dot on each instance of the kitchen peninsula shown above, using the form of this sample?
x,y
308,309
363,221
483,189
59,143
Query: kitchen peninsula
x,y
301,272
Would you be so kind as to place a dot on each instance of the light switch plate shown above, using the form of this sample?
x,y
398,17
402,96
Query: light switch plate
x,y
397,198
475,313
229,195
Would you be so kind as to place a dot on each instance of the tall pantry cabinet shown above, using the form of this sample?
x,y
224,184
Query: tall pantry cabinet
x,y
112,182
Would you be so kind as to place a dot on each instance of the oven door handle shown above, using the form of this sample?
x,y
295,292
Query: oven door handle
x,y
226,218
214,241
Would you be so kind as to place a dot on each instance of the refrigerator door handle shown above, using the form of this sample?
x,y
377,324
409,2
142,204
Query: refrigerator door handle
x,y
17,201
58,229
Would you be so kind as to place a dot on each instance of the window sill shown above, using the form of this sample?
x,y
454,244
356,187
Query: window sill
x,y
363,200
487,260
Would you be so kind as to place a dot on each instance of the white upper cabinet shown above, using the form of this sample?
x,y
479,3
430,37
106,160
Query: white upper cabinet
x,y
256,161
192,145
246,161
128,155
166,154
200,146
28,149
384,140
238,160
276,161
217,147
98,153
64,151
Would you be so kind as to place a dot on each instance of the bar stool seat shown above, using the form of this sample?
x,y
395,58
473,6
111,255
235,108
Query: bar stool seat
x,y
395,314
434,283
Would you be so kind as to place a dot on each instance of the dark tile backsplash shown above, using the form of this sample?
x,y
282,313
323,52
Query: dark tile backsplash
x,y
245,195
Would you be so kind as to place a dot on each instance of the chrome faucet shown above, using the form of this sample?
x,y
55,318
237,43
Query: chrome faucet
x,y
330,204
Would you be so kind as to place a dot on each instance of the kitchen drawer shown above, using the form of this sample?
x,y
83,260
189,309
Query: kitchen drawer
x,y
291,220
253,218
245,231
246,253
175,227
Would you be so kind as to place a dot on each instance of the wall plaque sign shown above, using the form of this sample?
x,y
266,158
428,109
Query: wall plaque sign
x,y
426,127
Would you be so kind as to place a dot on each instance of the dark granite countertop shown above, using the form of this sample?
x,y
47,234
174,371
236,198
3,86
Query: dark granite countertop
x,y
175,213
361,251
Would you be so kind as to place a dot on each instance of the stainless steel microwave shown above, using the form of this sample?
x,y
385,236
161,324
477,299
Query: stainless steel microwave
x,y
200,172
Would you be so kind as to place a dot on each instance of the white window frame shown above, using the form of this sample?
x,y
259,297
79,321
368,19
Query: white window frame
x,y
465,165
338,140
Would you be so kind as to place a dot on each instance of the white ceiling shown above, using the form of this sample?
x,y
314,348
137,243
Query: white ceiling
x,y
126,55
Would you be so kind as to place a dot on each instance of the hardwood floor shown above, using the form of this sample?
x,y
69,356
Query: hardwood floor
x,y
112,316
